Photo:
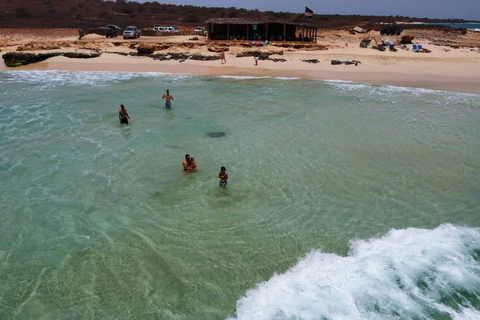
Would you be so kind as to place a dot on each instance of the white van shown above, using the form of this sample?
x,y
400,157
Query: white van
x,y
163,29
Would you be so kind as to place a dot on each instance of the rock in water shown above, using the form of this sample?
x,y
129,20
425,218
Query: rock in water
x,y
216,134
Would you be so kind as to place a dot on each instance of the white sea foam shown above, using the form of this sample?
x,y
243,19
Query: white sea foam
x,y
243,77
406,274
54,78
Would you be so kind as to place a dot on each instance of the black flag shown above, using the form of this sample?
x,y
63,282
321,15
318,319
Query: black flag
x,y
308,13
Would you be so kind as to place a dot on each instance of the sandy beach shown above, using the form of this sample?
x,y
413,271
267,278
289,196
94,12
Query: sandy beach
x,y
446,67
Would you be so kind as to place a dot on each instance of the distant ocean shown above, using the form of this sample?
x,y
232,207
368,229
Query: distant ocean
x,y
469,26
345,200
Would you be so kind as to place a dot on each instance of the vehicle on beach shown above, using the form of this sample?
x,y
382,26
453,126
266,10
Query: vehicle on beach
x,y
131,32
114,27
391,30
163,29
407,39
109,33
199,31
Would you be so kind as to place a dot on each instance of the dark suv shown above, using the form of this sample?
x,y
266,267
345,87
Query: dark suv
x,y
109,33
391,30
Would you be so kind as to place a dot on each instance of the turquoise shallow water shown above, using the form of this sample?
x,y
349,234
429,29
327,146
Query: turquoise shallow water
x,y
375,189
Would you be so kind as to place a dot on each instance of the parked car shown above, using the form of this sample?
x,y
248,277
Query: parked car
x,y
114,27
109,33
131,32
199,31
391,30
163,29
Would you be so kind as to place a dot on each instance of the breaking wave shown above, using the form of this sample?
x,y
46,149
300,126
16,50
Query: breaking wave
x,y
406,274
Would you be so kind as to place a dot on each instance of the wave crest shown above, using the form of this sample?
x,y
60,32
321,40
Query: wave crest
x,y
406,274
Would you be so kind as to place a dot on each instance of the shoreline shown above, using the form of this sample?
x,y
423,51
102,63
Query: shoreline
x,y
463,84
444,68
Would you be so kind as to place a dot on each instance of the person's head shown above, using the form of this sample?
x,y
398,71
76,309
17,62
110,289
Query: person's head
x,y
168,91
223,169
122,106
187,157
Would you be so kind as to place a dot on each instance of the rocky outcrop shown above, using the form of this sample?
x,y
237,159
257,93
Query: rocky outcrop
x,y
142,50
13,59
78,55
277,59
311,61
337,62
217,49
17,59
160,56
202,57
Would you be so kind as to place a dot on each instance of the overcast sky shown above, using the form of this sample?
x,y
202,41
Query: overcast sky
x,y
462,9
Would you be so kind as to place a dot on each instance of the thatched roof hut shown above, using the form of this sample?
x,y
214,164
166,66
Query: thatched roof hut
x,y
258,29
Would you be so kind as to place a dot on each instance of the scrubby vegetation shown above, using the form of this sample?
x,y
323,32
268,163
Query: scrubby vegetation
x,y
93,13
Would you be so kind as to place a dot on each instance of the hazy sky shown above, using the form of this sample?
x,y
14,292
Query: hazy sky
x,y
463,9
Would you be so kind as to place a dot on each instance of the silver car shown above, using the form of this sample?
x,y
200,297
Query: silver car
x,y
131,32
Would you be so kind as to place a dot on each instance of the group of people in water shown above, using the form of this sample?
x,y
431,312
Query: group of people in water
x,y
189,163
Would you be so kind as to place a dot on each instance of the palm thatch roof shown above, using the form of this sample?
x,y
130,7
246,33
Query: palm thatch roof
x,y
254,21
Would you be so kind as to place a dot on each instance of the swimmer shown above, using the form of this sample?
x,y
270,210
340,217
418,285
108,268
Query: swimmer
x,y
189,163
168,97
123,115
223,176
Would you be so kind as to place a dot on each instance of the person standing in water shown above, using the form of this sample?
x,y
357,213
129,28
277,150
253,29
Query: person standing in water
x,y
168,97
223,176
123,115
189,163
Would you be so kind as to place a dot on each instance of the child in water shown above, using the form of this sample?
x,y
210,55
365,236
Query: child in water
x,y
223,177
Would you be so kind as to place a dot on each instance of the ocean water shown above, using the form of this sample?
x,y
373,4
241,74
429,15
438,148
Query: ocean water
x,y
345,200
470,26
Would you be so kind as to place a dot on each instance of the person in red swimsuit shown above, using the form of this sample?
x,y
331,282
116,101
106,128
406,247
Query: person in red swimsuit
x,y
123,115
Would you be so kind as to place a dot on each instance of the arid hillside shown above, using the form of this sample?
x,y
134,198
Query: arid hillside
x,y
94,13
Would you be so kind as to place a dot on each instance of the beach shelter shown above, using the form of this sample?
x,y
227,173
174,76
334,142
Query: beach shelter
x,y
372,43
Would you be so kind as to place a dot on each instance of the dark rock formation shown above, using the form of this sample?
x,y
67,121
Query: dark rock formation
x,y
337,62
216,134
205,58
145,50
178,56
15,59
160,56
77,55
311,61
277,59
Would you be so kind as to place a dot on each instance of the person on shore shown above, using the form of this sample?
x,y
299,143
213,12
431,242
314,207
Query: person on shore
x,y
223,176
255,57
189,163
168,97
123,115
222,55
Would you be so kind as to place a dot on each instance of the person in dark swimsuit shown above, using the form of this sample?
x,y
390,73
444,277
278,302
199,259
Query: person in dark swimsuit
x,y
123,115
223,176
